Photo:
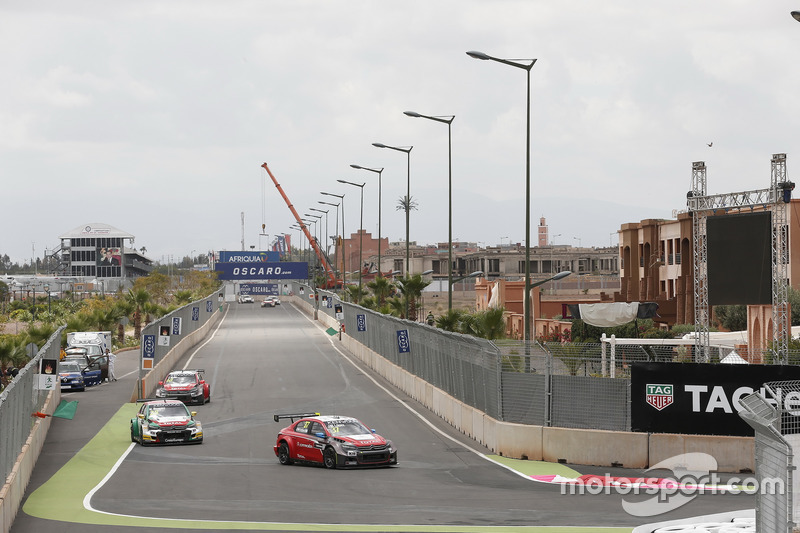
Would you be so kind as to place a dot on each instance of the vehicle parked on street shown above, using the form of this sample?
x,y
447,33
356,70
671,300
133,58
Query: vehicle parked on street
x,y
90,356
71,376
333,441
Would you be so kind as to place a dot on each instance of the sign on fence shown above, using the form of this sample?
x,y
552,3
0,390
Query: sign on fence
x,y
698,398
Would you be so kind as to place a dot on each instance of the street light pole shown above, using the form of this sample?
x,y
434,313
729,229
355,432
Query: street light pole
x,y
326,229
379,172
360,234
526,65
446,119
339,247
336,268
407,150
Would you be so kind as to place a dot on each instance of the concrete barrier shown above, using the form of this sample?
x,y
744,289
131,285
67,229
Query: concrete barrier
x,y
13,490
733,454
552,444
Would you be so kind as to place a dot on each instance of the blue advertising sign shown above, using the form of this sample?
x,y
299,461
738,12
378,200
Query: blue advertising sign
x,y
259,288
195,314
149,346
176,325
330,303
361,322
403,342
209,306
249,257
234,271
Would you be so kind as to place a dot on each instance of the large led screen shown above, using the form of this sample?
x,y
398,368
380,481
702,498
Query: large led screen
x,y
740,259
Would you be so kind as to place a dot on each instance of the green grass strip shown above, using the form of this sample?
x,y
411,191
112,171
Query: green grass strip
x,y
61,497
535,468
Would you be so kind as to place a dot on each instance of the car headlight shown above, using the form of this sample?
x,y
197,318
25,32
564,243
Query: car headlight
x,y
160,393
197,391
153,425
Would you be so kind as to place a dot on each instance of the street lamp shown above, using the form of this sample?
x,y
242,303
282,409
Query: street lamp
x,y
360,234
327,238
338,246
378,171
446,119
326,228
407,150
526,65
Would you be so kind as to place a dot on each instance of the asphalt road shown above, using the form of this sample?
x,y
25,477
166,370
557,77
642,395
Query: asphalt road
x,y
263,361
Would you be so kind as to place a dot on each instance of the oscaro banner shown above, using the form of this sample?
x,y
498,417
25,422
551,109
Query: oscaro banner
x,y
259,288
249,257
233,271
700,398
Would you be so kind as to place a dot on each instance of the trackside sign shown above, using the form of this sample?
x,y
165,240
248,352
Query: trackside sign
x,y
701,398
254,271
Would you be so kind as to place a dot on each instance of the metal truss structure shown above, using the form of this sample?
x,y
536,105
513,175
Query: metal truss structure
x,y
774,199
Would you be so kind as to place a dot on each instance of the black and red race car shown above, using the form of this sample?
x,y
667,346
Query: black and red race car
x,y
331,440
189,386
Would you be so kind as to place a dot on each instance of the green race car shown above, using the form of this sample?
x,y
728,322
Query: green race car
x,y
165,422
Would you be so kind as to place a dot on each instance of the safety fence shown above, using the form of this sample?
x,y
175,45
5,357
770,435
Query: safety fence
x,y
776,422
161,335
545,384
19,400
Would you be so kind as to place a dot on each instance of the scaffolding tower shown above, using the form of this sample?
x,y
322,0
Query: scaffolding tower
x,y
774,199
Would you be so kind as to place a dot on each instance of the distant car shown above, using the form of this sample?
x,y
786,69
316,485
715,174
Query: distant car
x,y
165,422
189,386
269,301
92,354
71,376
246,299
275,299
333,441
92,374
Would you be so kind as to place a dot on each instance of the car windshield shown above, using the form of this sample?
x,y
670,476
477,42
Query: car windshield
x,y
69,366
346,427
168,410
76,351
180,379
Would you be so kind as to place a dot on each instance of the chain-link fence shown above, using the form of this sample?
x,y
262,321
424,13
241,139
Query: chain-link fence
x,y
19,400
777,431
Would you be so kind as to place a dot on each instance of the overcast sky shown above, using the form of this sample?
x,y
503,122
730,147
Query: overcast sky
x,y
155,117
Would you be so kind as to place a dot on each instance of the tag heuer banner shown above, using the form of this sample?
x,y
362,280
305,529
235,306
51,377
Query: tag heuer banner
x,y
697,398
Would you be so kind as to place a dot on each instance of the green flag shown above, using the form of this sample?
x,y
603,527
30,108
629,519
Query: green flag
x,y
331,331
66,409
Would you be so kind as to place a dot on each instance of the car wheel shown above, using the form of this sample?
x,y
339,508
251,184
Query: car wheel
x,y
283,454
329,457
133,435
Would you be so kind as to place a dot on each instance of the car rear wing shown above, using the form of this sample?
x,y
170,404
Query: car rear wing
x,y
278,418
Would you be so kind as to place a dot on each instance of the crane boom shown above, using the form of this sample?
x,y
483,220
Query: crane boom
x,y
331,277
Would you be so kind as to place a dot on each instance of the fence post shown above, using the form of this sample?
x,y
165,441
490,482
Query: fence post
x,y
613,370
603,355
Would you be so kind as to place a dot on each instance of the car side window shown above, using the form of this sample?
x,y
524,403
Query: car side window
x,y
302,426
316,427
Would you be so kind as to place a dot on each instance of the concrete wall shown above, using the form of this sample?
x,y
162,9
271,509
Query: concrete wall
x,y
13,490
553,444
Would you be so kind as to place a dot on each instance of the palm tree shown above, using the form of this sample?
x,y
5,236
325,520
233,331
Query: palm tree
x,y
411,287
382,288
406,203
451,320
491,324
139,299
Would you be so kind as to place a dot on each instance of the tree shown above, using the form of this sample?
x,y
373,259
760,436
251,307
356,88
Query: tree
x,y
411,288
451,320
382,288
139,299
731,317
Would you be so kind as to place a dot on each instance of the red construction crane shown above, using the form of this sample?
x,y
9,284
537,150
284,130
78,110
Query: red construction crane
x,y
331,281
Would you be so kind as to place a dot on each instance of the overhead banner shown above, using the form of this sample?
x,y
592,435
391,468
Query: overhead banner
x,y
259,289
698,398
249,257
234,271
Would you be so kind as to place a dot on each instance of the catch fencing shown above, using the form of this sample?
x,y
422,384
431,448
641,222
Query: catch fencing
x,y
19,400
777,432
178,324
546,384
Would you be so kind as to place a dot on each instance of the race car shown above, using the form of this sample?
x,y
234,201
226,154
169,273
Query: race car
x,y
189,386
270,301
333,441
165,422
